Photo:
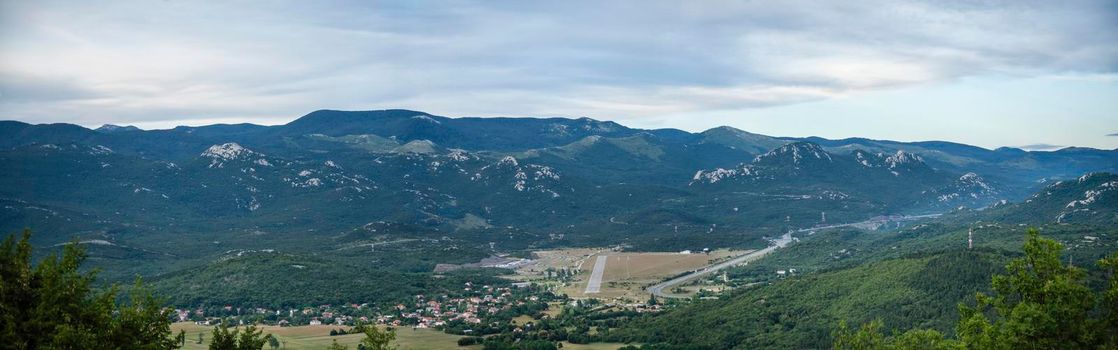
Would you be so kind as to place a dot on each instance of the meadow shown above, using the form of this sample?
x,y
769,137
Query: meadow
x,y
318,337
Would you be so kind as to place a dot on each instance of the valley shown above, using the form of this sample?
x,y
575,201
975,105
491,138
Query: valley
x,y
559,175
577,231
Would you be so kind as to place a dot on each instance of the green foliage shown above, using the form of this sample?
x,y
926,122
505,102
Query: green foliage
x,y
377,339
799,312
1109,338
273,342
251,338
871,336
467,341
1040,303
535,344
53,305
335,346
276,279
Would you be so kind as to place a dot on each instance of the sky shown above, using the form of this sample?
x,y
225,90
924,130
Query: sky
x,y
1033,74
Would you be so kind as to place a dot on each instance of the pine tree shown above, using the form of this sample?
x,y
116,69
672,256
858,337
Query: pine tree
x,y
251,338
54,305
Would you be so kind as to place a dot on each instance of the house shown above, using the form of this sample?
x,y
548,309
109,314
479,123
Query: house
x,y
316,322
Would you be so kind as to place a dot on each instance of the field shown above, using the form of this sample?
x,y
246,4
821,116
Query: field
x,y
625,272
318,337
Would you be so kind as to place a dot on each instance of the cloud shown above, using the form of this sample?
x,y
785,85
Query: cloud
x,y
1041,147
1113,134
153,62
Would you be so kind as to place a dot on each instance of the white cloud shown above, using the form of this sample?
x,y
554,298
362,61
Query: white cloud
x,y
163,62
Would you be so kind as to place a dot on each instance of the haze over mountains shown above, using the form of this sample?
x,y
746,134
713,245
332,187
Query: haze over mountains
x,y
354,175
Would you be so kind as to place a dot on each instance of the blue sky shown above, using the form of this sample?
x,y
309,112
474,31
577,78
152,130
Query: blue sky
x,y
1041,74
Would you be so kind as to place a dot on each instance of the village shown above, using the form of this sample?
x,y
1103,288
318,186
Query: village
x,y
539,289
473,304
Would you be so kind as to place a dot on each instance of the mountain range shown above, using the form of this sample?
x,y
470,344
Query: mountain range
x,y
333,179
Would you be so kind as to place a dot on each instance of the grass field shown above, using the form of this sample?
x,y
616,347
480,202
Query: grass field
x,y
318,337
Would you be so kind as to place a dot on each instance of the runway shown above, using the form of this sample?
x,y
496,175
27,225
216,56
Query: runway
x,y
595,283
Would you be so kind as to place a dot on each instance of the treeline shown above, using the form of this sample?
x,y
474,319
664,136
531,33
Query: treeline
x,y
1040,303
275,280
801,311
584,322
1036,300
54,305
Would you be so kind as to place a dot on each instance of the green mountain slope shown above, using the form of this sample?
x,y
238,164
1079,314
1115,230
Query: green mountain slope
x,y
800,312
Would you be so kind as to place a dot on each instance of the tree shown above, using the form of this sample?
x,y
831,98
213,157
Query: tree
x,y
1039,304
53,305
223,339
871,336
252,338
273,342
376,339
467,341
1109,339
249,339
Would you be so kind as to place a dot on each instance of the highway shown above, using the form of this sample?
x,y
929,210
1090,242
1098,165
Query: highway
x,y
659,289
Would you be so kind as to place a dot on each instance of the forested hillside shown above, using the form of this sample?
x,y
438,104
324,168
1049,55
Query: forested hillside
x,y
395,192
904,278
801,311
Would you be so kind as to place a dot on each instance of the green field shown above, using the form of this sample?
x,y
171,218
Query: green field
x,y
318,337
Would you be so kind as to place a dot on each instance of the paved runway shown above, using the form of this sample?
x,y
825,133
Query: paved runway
x,y
595,283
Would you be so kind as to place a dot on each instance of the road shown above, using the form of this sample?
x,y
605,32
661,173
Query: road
x,y
659,289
